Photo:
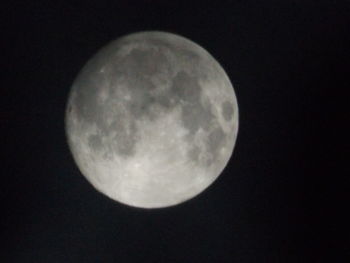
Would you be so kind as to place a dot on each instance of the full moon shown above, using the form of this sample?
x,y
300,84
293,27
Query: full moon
x,y
151,120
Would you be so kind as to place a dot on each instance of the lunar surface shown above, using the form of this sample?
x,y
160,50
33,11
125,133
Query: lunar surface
x,y
151,120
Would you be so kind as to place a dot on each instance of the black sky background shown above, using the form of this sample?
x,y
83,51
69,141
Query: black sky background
x,y
282,197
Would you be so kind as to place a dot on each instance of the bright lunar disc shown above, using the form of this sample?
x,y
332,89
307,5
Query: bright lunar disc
x,y
151,120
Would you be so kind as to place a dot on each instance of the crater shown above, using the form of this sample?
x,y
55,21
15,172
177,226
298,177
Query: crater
x,y
144,62
69,109
141,98
216,139
177,47
227,110
124,141
86,98
193,154
186,90
186,87
94,142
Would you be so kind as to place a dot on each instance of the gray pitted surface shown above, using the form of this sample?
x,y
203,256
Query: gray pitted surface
x,y
135,70
139,79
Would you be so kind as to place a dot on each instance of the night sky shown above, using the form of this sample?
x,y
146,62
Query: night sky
x,y
282,196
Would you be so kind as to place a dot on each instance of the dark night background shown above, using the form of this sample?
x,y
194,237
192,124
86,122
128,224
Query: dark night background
x,y
282,197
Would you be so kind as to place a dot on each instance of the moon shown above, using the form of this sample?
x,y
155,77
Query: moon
x,y
151,120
